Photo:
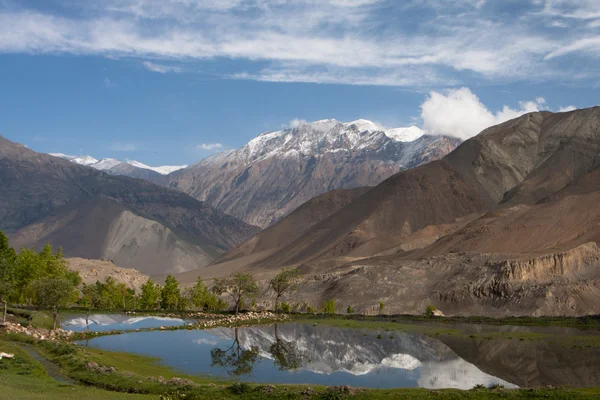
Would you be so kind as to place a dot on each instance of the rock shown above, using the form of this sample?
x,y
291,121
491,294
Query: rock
x,y
92,365
268,389
438,313
308,392
161,379
178,382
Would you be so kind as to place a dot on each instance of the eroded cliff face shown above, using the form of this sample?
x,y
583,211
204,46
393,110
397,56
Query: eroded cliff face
x,y
563,283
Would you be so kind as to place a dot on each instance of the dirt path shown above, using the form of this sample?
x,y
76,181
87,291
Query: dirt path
x,y
52,369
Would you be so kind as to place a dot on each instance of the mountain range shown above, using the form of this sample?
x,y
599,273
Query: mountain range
x,y
508,223
92,214
277,172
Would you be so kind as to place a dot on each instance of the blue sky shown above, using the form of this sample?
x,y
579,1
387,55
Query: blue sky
x,y
165,81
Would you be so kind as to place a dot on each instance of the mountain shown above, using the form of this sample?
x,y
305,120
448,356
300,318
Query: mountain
x,y
277,172
506,224
92,214
109,165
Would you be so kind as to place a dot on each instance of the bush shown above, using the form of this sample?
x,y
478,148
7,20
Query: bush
x,y
310,309
286,307
240,388
350,310
328,307
429,310
381,306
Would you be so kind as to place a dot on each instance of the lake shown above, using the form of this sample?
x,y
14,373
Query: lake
x,y
110,322
326,355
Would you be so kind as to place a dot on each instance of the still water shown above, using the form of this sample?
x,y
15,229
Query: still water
x,y
110,322
326,355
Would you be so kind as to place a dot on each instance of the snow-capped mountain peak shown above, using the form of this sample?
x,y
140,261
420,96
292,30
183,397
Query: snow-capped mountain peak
x,y
325,136
106,164
81,160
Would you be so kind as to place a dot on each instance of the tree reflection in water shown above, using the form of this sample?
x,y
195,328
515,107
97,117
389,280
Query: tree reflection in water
x,y
235,359
285,354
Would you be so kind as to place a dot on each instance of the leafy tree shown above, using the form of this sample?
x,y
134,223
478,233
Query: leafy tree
x,y
53,293
7,270
171,294
150,295
237,360
350,310
284,282
238,285
328,307
381,306
200,297
124,293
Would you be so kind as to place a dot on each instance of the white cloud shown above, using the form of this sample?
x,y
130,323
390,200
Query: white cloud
x,y
160,68
124,147
460,113
209,146
296,123
320,41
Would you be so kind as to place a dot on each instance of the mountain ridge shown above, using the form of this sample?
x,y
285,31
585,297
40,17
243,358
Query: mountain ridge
x,y
276,172
46,197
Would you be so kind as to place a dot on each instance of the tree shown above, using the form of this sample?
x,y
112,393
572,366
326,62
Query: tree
x,y
328,307
381,306
171,294
199,295
7,270
238,285
284,282
123,292
53,294
150,295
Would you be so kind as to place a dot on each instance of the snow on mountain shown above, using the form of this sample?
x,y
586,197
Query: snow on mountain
x,y
106,164
167,169
81,160
164,170
324,136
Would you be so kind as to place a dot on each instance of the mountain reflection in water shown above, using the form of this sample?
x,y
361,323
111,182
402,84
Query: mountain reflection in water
x,y
305,354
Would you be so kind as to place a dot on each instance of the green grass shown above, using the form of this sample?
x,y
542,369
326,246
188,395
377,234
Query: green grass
x,y
25,378
435,328
37,319
587,322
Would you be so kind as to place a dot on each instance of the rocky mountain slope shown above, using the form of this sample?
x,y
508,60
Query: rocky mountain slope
x,y
277,172
92,214
92,271
508,223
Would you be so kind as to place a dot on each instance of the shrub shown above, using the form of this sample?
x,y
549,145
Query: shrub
x,y
310,309
328,307
496,386
429,310
350,310
240,388
381,306
286,307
